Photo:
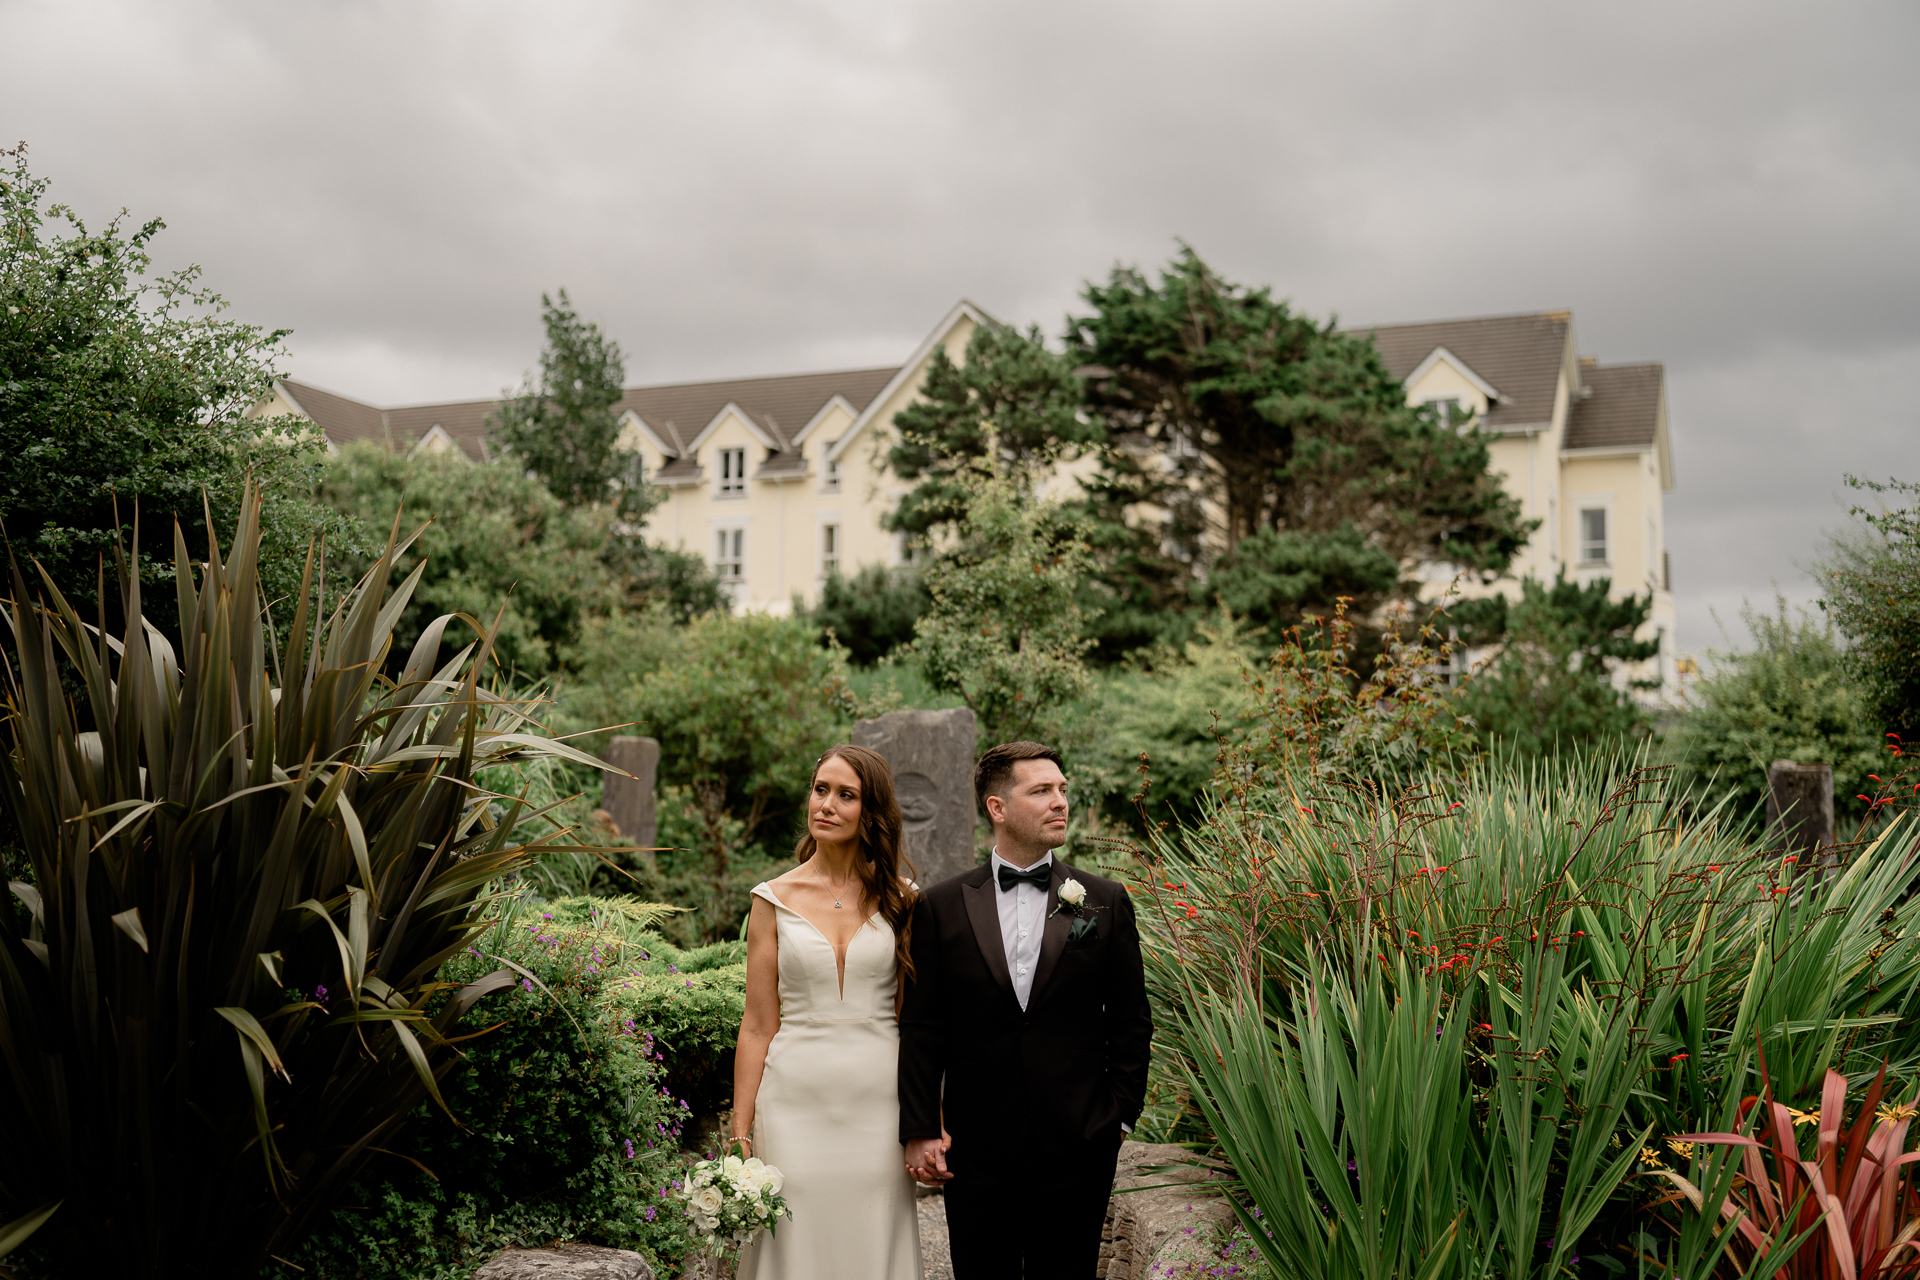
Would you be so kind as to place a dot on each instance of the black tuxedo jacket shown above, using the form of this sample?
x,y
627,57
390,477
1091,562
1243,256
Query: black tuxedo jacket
x,y
1064,1072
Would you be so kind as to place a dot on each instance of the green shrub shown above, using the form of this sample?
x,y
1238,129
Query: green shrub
x,y
1873,594
873,612
1790,697
569,1129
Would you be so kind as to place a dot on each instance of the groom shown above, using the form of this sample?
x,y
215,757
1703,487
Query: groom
x,y
1026,1027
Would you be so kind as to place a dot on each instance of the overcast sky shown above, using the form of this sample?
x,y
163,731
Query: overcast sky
x,y
735,189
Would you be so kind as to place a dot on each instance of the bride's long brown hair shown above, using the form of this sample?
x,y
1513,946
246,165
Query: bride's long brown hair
x,y
883,864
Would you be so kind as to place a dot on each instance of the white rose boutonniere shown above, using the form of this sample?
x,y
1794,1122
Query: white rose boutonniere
x,y
1073,900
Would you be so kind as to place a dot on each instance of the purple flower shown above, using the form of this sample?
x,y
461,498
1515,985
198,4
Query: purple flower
x,y
320,994
630,1154
651,1213
527,983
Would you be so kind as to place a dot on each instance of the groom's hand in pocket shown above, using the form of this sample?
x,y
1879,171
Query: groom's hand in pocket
x,y
927,1159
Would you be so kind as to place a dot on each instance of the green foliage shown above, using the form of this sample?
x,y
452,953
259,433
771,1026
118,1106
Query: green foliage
x,y
1553,685
563,427
1011,406
1176,713
872,613
243,880
1790,697
1218,392
1433,1035
120,390
1270,576
570,1123
1873,594
741,706
1005,629
496,536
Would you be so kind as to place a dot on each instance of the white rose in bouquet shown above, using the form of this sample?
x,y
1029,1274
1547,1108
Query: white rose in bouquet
x,y
708,1200
730,1199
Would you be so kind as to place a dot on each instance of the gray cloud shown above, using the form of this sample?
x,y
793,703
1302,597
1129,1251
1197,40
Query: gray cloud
x,y
734,188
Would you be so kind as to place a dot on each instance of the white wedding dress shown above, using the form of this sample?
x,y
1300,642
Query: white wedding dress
x,y
828,1113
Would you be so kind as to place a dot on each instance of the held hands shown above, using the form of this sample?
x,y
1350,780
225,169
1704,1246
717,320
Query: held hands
x,y
927,1159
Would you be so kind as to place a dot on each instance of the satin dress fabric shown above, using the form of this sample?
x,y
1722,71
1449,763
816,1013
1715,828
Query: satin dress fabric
x,y
827,1114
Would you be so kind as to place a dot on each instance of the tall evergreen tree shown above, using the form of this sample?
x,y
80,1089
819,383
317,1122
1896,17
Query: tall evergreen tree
x,y
1012,404
1233,414
562,426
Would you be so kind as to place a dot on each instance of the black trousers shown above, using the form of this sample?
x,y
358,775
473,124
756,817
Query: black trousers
x,y
1036,1219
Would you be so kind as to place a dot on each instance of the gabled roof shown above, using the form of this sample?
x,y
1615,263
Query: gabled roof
x,y
1621,409
1524,356
962,310
347,421
781,408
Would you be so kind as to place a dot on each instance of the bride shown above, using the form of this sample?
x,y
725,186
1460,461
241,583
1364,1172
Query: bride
x,y
815,1077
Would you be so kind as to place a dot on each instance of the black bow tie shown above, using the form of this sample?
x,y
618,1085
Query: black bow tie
x,y
1039,876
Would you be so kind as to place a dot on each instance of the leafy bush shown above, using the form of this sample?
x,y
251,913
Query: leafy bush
x,y
872,613
1791,697
1432,1034
741,706
1005,628
1557,682
569,1125
120,390
1873,594
244,877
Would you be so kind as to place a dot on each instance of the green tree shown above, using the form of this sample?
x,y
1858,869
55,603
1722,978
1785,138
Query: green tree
x,y
1790,697
1873,595
120,388
1270,576
741,707
1221,395
1553,682
563,428
1005,631
872,613
1012,403
494,535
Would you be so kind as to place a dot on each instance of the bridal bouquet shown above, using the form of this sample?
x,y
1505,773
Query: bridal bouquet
x,y
730,1199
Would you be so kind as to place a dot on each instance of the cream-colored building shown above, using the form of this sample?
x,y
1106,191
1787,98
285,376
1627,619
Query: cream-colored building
x,y
1582,445
781,481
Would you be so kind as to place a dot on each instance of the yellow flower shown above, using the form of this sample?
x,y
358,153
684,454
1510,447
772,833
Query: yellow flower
x,y
1804,1117
1649,1156
1891,1114
1682,1149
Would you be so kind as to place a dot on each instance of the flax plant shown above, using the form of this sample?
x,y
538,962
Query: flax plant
x,y
218,991
1588,960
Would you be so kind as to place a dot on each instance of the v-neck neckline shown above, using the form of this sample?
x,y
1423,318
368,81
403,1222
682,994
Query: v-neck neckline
x,y
839,953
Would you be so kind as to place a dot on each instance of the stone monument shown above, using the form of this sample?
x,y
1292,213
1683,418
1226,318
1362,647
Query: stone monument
x,y
1800,807
931,754
629,801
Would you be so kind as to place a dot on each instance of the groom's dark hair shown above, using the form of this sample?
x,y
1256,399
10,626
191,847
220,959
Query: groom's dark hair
x,y
995,769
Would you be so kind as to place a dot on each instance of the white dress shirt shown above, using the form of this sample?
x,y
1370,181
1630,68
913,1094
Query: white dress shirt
x,y
1023,917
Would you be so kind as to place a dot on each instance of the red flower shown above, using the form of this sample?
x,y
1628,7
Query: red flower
x,y
1678,1057
1794,857
1486,1026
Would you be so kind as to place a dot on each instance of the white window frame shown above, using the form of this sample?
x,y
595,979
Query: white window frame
x,y
1433,403
829,469
1583,545
730,473
730,554
833,547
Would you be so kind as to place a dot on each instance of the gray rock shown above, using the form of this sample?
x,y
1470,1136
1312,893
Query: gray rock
x,y
567,1262
1145,1228
931,754
1800,807
629,802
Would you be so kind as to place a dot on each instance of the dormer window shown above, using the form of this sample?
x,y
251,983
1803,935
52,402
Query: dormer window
x,y
733,473
830,475
1445,408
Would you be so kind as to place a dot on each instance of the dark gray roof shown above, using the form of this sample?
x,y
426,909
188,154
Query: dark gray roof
x,y
678,412
1621,409
786,463
1520,356
781,406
